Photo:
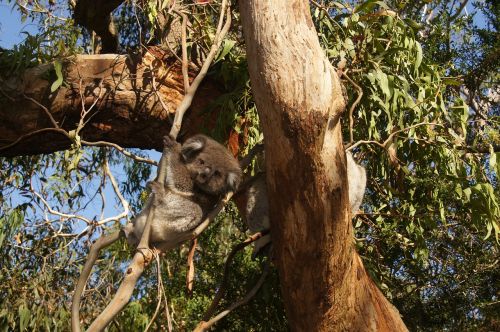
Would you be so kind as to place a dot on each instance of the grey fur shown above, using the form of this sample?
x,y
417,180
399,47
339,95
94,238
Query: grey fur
x,y
356,176
213,169
257,212
184,201
257,209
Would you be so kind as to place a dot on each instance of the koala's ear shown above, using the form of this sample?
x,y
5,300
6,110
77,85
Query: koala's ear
x,y
192,145
233,181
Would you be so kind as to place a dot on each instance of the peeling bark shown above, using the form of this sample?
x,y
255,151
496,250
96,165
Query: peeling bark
x,y
298,94
128,111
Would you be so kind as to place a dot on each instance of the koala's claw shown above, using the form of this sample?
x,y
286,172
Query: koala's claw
x,y
169,142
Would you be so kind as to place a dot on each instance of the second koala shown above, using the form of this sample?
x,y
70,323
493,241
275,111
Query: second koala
x,y
257,208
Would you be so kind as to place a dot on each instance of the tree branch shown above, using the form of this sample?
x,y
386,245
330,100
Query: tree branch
x,y
204,326
221,289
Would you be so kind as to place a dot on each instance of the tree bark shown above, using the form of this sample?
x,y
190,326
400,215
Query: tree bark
x,y
128,112
298,95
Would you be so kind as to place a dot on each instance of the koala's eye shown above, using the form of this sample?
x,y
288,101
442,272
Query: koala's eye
x,y
201,162
216,173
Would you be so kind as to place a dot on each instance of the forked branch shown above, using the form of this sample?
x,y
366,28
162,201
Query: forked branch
x,y
204,326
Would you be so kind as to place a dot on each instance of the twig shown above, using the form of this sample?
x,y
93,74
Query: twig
x,y
54,122
184,50
102,242
33,133
155,89
190,264
391,136
353,106
222,287
123,201
84,112
188,97
57,213
211,216
124,292
167,312
203,326
159,290
121,150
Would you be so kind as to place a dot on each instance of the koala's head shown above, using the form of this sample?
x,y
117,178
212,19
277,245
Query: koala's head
x,y
213,169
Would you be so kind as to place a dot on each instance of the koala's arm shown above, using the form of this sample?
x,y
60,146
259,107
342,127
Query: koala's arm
x,y
177,179
356,176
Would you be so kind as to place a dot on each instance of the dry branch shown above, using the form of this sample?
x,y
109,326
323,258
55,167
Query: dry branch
x,y
101,243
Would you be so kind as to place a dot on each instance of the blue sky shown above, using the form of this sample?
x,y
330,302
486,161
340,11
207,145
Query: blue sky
x,y
11,27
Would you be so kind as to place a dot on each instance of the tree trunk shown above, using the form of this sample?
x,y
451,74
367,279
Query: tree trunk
x,y
298,94
128,111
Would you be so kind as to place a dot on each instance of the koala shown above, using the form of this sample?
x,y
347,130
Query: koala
x,y
198,173
257,212
212,168
257,208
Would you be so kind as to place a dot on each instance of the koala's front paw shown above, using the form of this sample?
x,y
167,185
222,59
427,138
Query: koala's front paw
x,y
169,142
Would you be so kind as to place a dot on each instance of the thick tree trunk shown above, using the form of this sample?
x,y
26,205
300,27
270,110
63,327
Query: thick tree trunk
x,y
324,284
128,111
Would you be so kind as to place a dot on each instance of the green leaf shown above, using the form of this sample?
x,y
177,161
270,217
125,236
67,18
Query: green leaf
x,y
494,167
24,316
228,45
59,81
452,81
418,57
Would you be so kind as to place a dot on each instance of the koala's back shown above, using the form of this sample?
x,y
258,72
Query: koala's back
x,y
178,174
174,217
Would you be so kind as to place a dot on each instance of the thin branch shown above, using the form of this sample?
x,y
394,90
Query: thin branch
x,y
123,201
188,97
33,133
201,227
155,89
57,213
134,271
121,150
221,289
190,264
184,50
391,136
54,122
167,312
353,106
159,290
204,326
102,242
84,112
